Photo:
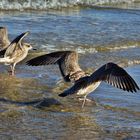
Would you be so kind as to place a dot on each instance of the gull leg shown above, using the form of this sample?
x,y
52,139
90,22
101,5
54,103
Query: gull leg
x,y
13,72
59,82
81,99
13,69
84,101
87,100
10,71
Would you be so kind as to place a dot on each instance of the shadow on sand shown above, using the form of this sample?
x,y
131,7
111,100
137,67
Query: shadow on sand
x,y
38,103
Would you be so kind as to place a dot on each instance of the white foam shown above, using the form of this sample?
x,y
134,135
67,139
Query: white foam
x,y
122,47
46,4
85,50
132,62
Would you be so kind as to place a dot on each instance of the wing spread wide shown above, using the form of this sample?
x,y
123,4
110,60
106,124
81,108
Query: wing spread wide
x,y
67,61
110,73
115,76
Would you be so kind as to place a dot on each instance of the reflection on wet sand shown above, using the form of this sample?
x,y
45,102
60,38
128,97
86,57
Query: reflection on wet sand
x,y
23,112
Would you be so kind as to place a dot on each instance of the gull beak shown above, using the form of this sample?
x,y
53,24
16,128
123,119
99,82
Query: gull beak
x,y
34,49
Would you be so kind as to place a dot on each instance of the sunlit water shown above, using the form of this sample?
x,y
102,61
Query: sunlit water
x,y
29,104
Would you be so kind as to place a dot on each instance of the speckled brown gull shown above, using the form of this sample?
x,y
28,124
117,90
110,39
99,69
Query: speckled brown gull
x,y
4,40
84,84
66,60
15,52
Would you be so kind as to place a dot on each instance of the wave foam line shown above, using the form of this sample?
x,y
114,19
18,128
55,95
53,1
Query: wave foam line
x,y
54,4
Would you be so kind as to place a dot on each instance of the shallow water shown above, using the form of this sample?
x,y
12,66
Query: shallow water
x,y
29,104
113,32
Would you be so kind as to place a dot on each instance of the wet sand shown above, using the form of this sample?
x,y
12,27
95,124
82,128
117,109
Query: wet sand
x,y
31,108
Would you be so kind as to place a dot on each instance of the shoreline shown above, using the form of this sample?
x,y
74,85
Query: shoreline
x,y
67,6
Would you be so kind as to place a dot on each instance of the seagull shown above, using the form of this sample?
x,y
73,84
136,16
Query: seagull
x,y
15,52
4,40
84,84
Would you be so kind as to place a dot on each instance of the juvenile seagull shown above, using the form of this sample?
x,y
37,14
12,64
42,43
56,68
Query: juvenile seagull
x,y
85,84
4,40
15,52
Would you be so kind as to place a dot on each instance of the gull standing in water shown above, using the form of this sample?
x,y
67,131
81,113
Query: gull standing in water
x,y
15,52
83,83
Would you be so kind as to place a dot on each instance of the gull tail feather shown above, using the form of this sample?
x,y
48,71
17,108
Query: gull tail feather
x,y
5,60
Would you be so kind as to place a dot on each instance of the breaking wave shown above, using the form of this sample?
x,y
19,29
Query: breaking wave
x,y
55,4
90,49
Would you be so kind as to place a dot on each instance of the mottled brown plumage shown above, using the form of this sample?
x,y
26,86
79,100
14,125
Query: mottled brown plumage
x,y
66,60
15,52
84,84
4,40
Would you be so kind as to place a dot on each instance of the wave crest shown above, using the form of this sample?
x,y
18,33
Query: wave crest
x,y
54,4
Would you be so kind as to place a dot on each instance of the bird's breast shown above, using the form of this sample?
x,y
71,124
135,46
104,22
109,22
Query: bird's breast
x,y
20,55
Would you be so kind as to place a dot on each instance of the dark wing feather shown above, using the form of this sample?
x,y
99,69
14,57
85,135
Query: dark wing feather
x,y
47,59
2,52
110,73
67,61
16,42
20,37
115,76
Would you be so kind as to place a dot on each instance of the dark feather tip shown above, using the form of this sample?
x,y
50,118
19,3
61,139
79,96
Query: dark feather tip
x,y
29,63
2,52
62,95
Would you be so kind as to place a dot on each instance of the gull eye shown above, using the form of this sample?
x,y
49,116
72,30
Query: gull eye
x,y
28,45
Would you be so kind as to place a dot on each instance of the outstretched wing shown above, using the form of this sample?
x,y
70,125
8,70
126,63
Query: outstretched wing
x,y
67,61
110,73
14,44
115,76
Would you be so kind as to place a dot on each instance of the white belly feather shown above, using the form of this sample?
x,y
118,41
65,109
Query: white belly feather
x,y
88,89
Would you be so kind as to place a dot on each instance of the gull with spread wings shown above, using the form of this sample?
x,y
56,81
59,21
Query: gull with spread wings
x,y
15,52
83,83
